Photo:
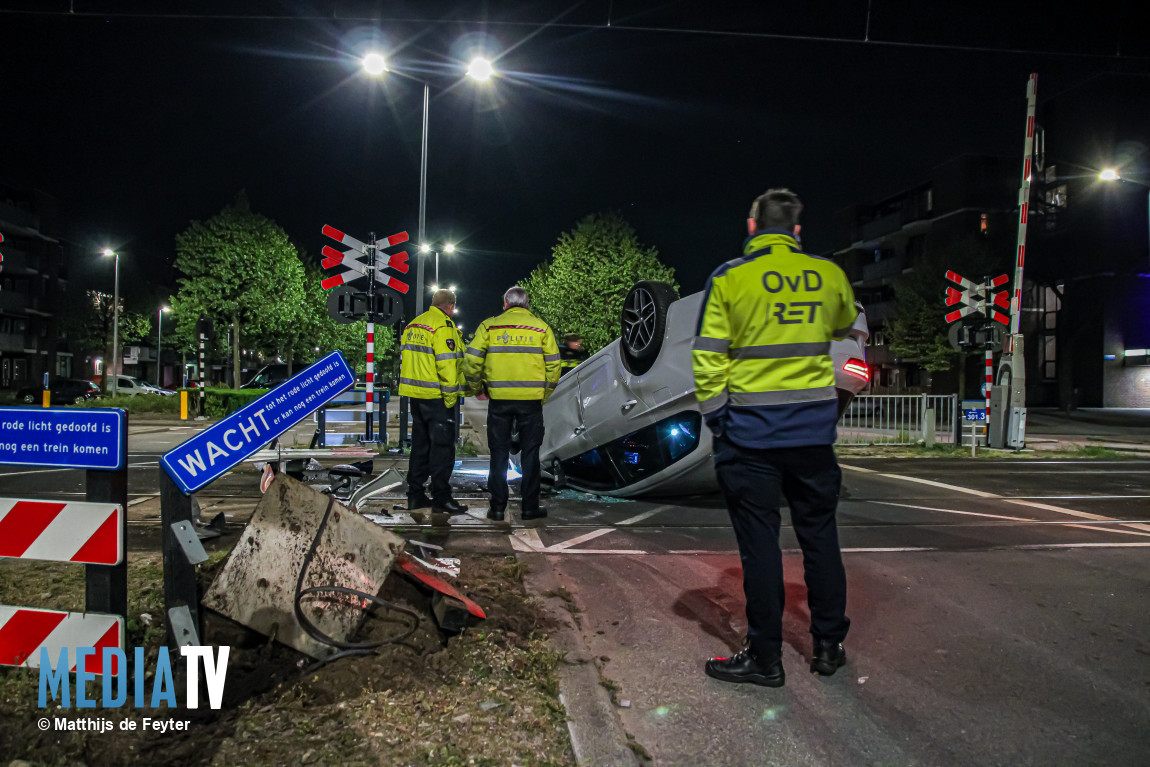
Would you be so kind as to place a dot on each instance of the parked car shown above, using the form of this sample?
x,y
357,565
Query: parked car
x,y
268,377
130,386
626,422
151,388
65,391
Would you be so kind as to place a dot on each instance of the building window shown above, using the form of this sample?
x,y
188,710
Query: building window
x,y
982,223
1049,304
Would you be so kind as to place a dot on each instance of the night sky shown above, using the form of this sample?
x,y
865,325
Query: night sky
x,y
676,115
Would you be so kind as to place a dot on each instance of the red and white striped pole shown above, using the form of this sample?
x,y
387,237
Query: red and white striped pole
x,y
989,383
369,406
1015,422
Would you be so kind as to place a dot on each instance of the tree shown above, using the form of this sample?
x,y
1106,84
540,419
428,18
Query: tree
x,y
582,287
919,332
242,271
88,323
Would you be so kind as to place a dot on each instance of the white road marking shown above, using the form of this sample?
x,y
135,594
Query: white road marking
x,y
641,517
1084,526
529,541
995,496
1073,497
30,471
141,499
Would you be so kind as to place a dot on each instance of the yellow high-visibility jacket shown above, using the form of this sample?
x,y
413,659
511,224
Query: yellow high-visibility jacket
x,y
514,356
429,359
761,356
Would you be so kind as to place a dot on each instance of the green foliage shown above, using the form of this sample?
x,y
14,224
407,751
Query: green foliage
x,y
221,402
919,332
140,403
592,267
89,320
241,270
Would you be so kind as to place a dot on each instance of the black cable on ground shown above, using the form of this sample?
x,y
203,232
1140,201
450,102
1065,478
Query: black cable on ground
x,y
348,648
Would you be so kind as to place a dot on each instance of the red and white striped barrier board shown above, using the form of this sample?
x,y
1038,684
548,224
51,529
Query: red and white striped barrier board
x,y
88,533
24,630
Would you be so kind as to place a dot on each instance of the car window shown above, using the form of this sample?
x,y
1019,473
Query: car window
x,y
638,455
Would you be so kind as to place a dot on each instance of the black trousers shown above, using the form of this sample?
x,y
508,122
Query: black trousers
x,y
432,449
503,415
809,478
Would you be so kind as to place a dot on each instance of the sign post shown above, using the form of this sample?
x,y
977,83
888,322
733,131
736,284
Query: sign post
x,y
982,300
213,452
371,271
93,532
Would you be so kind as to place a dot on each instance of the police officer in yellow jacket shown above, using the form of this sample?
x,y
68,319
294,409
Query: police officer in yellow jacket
x,y
765,383
430,374
515,359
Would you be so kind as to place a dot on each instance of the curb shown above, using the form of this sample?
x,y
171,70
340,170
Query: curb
x,y
597,735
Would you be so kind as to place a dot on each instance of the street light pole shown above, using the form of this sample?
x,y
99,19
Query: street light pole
x,y
115,323
159,345
422,201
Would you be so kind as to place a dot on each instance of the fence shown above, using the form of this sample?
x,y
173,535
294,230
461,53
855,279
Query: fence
x,y
336,412
900,419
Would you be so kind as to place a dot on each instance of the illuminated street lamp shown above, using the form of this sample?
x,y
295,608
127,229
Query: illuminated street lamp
x,y
115,325
1109,174
480,70
159,345
425,247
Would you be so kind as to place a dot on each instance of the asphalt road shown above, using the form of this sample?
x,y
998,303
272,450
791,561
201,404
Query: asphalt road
x,y
998,606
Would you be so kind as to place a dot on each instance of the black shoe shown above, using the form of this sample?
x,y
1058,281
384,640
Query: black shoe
x,y
538,513
418,502
744,667
450,506
827,657
497,514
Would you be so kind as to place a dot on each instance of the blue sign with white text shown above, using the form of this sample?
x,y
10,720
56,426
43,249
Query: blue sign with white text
x,y
214,451
974,415
70,438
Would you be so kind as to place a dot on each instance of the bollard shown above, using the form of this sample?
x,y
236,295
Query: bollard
x,y
183,405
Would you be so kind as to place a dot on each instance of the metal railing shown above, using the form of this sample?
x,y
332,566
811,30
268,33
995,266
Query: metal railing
x,y
899,419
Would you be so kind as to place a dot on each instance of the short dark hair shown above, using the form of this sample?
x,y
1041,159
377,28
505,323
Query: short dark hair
x,y
572,338
776,209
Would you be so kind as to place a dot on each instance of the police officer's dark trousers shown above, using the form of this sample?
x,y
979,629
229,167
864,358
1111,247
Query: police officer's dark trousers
x,y
809,478
432,449
503,415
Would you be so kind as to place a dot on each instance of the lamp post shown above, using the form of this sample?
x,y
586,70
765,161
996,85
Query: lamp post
x,y
159,344
428,248
1111,174
480,70
115,324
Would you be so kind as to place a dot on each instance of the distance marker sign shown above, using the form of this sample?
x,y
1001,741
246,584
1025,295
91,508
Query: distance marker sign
x,y
213,452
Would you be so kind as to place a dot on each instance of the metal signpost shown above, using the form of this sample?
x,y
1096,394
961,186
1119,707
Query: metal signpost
x,y
213,452
371,273
980,300
92,532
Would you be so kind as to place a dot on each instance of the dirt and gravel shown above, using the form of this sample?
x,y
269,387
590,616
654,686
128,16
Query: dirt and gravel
x,y
487,696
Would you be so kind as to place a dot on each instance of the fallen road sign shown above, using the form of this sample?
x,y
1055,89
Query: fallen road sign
x,y
214,451
55,531
73,438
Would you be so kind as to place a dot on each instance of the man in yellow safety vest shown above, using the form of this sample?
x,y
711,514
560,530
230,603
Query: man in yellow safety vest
x,y
430,374
765,383
514,359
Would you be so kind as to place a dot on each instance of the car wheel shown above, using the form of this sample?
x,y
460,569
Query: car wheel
x,y
29,399
644,322
80,400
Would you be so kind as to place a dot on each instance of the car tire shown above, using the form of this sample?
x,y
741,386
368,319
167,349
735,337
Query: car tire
x,y
80,400
29,399
643,323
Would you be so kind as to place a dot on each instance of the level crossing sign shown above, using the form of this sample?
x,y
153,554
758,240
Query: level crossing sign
x,y
979,299
355,269
214,451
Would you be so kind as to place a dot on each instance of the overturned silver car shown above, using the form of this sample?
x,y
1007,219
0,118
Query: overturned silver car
x,y
626,421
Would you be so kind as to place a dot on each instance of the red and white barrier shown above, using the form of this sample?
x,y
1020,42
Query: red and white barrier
x,y
24,630
57,531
